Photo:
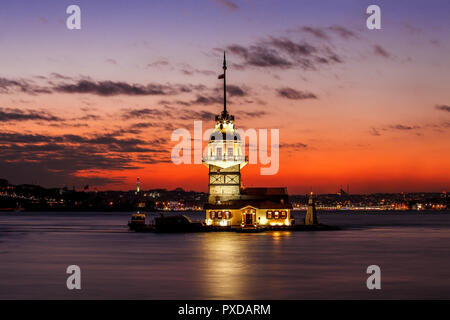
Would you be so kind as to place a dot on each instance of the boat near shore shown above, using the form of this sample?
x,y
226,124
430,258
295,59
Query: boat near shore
x,y
137,221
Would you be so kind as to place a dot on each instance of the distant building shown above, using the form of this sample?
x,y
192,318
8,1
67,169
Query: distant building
x,y
4,183
229,202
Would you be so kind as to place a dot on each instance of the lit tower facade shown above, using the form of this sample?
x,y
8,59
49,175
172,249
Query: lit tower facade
x,y
225,157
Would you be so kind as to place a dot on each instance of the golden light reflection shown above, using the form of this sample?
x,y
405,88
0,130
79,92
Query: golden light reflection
x,y
278,235
225,270
228,261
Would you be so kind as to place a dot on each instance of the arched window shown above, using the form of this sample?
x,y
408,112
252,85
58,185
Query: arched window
x,y
212,214
219,215
269,214
277,215
283,214
227,215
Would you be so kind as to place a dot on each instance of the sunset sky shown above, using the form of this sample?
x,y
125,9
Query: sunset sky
x,y
97,106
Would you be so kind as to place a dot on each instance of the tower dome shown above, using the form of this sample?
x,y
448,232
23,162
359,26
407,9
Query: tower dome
x,y
224,147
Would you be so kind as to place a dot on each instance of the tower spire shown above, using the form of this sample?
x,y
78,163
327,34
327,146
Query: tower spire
x,y
224,114
224,84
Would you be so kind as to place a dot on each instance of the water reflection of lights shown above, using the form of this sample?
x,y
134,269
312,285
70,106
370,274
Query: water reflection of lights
x,y
277,241
227,261
277,235
225,270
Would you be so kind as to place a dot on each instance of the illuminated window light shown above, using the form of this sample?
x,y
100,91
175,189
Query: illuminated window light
x,y
223,223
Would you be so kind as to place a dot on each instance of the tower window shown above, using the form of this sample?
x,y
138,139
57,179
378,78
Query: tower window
x,y
230,151
219,152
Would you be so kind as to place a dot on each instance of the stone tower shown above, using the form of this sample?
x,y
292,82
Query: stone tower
x,y
225,157
311,214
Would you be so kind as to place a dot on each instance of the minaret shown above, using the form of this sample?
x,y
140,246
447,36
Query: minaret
x,y
225,157
138,187
311,214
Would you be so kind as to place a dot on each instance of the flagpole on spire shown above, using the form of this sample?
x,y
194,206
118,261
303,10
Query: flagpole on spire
x,y
224,84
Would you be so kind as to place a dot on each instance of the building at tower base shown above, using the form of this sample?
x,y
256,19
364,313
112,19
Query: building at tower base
x,y
254,207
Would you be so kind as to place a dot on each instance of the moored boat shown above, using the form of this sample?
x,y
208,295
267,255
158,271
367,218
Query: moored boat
x,y
137,221
179,223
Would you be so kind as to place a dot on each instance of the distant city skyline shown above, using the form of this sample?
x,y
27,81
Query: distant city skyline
x,y
96,106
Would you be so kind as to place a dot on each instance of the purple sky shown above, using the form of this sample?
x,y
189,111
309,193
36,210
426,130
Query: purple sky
x,y
97,105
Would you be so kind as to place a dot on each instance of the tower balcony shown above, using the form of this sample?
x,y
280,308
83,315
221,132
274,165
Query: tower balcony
x,y
225,161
